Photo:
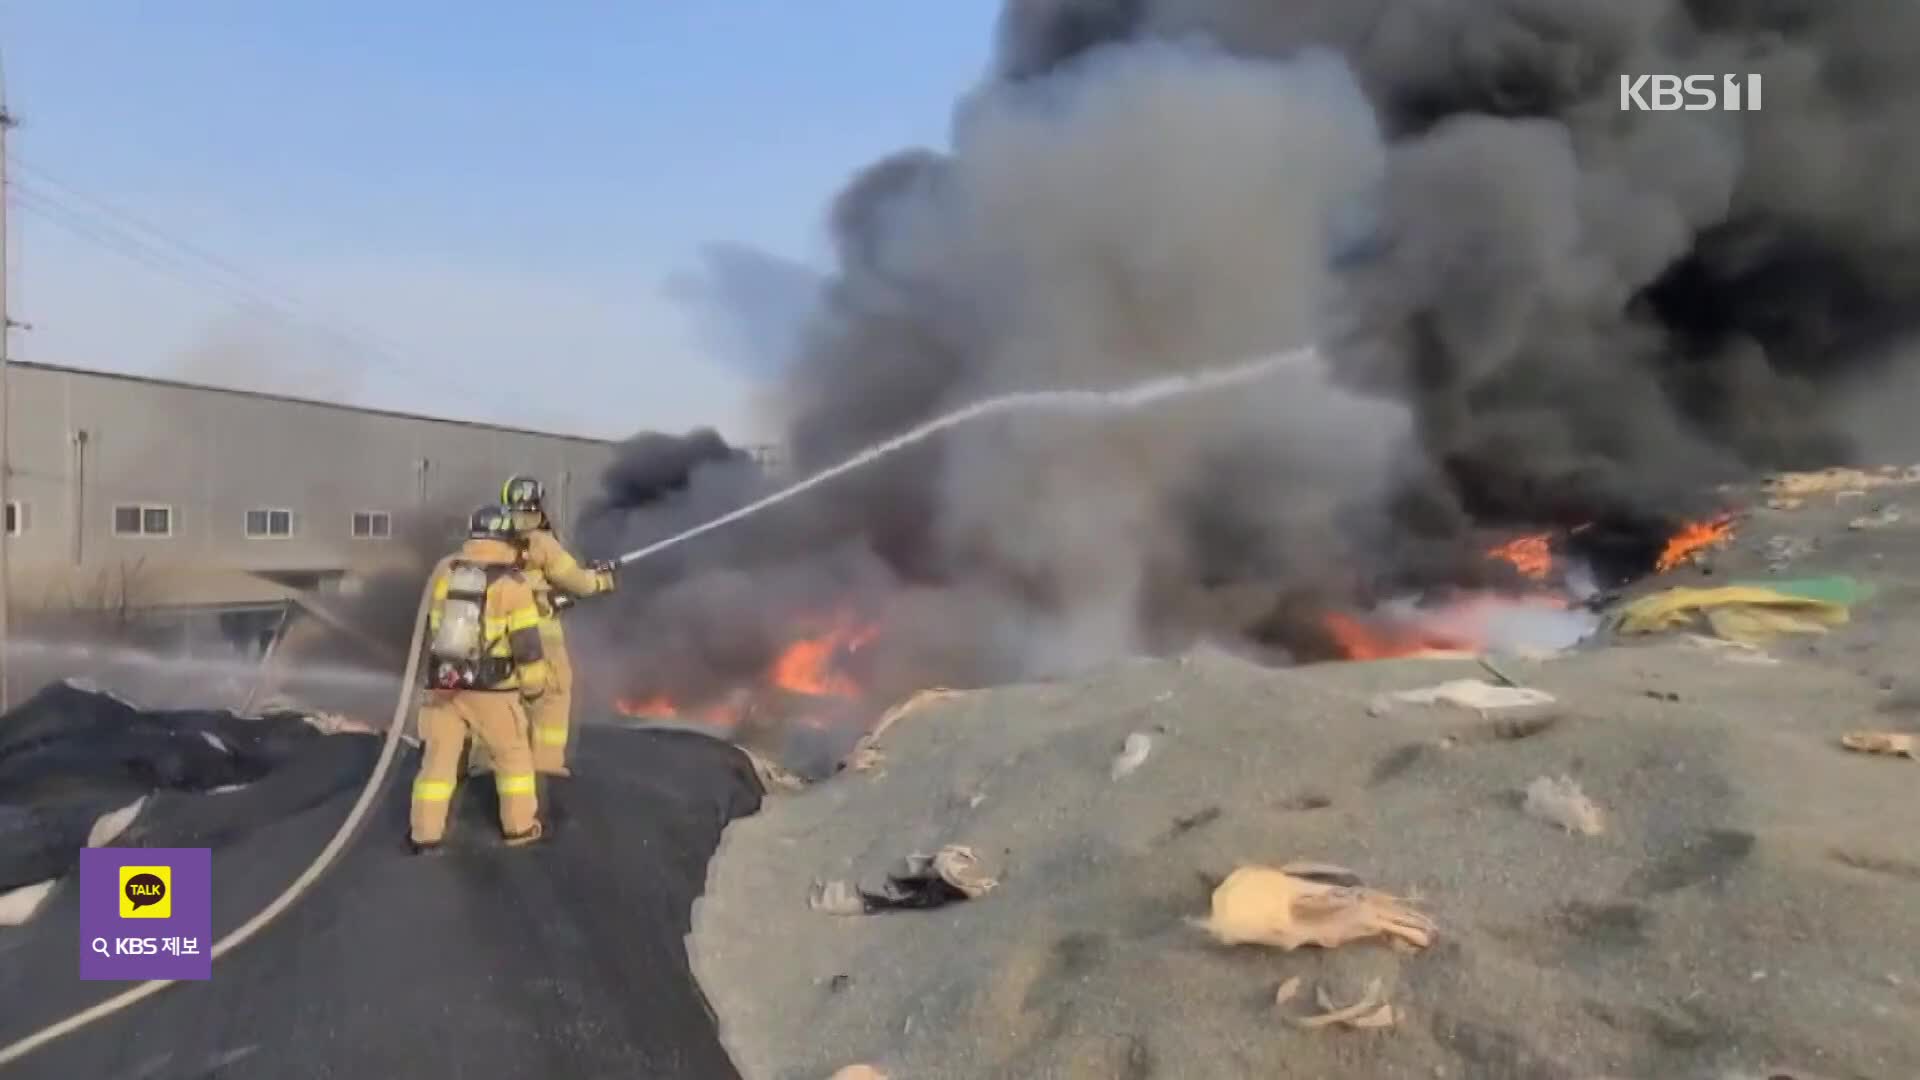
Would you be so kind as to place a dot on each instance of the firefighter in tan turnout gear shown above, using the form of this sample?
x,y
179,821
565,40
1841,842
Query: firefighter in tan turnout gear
x,y
550,567
483,660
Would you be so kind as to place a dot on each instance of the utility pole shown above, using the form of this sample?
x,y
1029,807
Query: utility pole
x,y
6,429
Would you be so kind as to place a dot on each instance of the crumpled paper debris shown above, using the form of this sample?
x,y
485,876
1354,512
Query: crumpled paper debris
x,y
1133,754
1261,905
1890,743
1559,801
1473,694
1371,1011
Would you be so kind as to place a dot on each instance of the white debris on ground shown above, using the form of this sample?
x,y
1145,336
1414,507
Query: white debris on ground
x,y
1133,754
1560,801
1471,694
111,825
18,905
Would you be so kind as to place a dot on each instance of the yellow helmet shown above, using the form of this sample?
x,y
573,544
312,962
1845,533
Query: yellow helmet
x,y
523,493
491,523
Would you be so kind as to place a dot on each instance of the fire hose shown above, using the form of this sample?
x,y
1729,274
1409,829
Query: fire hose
x,y
1126,397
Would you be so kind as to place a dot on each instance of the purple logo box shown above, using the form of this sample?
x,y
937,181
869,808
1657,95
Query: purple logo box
x,y
146,913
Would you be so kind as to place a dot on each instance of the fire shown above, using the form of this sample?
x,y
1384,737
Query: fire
x,y
1362,639
1466,624
1531,555
1693,539
809,666
724,713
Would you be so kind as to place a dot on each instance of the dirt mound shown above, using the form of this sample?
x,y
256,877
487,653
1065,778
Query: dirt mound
x,y
1751,903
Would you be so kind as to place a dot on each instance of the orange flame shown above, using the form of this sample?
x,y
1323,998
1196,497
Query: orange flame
x,y
722,713
1531,555
1359,639
808,666
1694,538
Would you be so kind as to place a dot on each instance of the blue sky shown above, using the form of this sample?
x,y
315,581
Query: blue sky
x,y
483,201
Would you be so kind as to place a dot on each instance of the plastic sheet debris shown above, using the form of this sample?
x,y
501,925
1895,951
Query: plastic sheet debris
x,y
858,1072
928,881
1260,905
1133,754
1753,614
1472,694
1891,743
1371,1011
1560,801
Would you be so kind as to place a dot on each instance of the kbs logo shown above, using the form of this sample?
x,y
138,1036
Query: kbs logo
x,y
146,892
1694,93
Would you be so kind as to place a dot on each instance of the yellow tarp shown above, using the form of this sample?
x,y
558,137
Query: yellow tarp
x,y
1742,613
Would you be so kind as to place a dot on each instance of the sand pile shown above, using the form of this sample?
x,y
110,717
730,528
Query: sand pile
x,y
1744,899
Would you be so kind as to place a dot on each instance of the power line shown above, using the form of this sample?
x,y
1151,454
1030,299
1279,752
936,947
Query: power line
x,y
182,260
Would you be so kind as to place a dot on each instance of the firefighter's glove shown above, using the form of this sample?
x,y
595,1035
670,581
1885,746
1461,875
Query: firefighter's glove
x,y
604,571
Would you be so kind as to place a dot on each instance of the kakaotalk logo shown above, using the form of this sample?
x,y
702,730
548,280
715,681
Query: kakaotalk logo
x,y
146,892
1692,93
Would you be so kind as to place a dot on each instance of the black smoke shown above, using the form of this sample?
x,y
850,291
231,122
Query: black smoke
x,y
1529,307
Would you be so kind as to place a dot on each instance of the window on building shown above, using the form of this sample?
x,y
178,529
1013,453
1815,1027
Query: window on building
x,y
269,524
135,520
372,525
16,517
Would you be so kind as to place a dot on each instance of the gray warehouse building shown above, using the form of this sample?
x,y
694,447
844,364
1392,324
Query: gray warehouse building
x,y
142,493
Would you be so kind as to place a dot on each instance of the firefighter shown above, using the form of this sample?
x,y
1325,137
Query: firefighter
x,y
549,566
484,659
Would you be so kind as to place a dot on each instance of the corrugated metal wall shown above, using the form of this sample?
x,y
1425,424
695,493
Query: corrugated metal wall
x,y
84,445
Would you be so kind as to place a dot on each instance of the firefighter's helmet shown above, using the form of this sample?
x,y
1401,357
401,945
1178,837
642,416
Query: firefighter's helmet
x,y
491,523
523,493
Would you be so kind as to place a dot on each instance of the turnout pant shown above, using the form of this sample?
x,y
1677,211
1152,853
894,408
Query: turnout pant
x,y
552,711
496,721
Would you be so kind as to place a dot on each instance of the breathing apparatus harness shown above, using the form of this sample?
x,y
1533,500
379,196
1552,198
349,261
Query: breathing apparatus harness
x,y
459,653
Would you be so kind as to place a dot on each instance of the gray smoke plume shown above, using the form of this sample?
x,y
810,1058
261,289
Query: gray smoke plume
x,y
1534,308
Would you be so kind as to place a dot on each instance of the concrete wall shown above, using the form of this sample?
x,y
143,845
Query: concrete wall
x,y
83,444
